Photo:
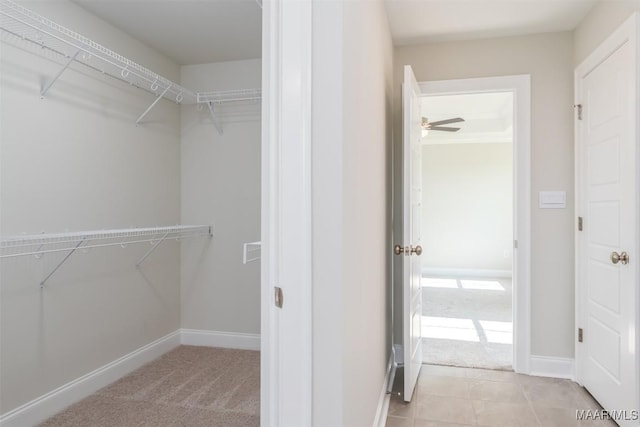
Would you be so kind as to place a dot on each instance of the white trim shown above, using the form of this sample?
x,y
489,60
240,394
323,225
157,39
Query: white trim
x,y
220,339
286,356
628,31
520,85
554,367
465,272
385,398
47,405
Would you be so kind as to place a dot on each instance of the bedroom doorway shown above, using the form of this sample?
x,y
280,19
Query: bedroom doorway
x,y
467,224
475,225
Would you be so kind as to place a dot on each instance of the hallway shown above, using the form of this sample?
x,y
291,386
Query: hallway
x,y
455,397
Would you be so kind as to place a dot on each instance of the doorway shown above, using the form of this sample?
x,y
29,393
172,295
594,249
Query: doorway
x,y
467,226
476,260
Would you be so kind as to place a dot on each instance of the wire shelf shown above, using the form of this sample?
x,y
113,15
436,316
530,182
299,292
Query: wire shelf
x,y
220,97
24,24
66,47
39,244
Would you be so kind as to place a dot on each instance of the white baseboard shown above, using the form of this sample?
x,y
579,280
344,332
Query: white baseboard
x,y
555,367
38,410
465,272
220,339
383,402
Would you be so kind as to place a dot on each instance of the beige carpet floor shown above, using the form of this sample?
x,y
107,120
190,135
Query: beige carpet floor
x,y
189,386
467,322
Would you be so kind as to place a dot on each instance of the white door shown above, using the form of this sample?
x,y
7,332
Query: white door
x,y
607,202
411,249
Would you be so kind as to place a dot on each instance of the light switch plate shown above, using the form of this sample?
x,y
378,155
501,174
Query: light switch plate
x,y
553,199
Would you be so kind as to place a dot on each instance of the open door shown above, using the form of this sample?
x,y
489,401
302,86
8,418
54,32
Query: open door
x,y
410,248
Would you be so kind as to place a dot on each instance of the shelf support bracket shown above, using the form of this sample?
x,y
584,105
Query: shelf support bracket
x,y
150,251
216,122
61,262
46,88
153,104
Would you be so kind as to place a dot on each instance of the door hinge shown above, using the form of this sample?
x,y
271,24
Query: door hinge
x,y
579,108
515,244
579,223
279,296
580,335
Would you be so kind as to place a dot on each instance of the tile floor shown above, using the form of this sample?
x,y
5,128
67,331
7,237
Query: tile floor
x,y
455,397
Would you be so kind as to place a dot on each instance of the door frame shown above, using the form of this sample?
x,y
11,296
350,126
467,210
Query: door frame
x,y
520,86
286,256
628,31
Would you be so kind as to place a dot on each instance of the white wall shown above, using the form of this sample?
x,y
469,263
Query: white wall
x,y
603,19
467,206
548,58
221,185
76,161
352,95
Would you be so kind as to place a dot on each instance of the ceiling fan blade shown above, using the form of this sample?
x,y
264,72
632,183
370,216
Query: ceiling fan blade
x,y
445,122
445,129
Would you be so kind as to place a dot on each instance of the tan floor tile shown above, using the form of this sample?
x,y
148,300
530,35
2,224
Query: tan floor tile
x,y
400,408
589,401
425,423
429,385
399,422
559,395
443,371
501,414
445,409
556,417
598,423
491,375
531,380
497,391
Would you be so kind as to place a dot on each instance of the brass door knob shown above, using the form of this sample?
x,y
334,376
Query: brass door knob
x,y
397,249
417,250
621,257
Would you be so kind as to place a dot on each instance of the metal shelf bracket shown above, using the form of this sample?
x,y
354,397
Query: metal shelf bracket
x,y
46,88
214,117
153,104
150,251
61,262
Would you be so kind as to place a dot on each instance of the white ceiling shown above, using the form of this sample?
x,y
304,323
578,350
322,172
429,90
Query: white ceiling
x,y
488,118
419,21
203,31
188,31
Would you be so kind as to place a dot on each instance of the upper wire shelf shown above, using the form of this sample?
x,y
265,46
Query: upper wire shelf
x,y
68,46
28,25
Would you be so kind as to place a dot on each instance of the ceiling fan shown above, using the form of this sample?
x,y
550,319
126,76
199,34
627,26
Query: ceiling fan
x,y
426,125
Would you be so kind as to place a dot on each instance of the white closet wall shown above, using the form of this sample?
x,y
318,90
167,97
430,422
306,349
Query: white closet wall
x,y
76,161
221,186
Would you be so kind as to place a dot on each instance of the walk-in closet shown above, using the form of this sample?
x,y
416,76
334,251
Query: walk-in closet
x,y
130,181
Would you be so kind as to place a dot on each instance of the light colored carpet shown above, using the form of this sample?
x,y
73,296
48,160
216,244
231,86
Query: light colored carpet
x,y
189,386
467,322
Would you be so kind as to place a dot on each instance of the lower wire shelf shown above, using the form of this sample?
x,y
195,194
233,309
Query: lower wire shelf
x,y
38,244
